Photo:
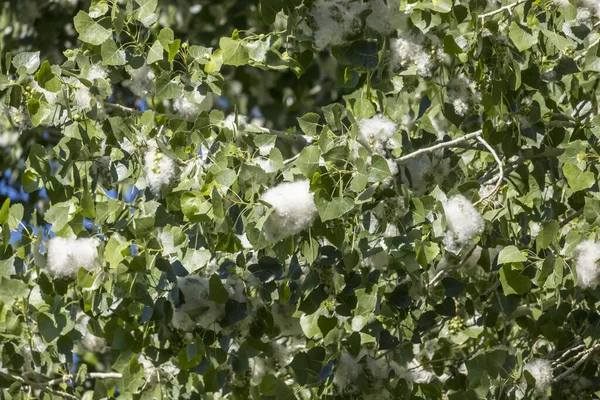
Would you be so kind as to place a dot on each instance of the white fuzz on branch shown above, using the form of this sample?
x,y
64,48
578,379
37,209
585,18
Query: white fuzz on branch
x,y
463,223
386,18
159,168
347,370
97,72
541,370
66,256
197,310
376,131
407,52
587,255
142,81
293,210
335,20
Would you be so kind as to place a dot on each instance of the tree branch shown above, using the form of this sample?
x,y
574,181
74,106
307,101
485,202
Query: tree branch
x,y
507,7
501,170
584,355
280,134
41,386
438,146
105,375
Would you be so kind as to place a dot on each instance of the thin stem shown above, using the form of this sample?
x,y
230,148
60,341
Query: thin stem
x,y
507,7
500,174
438,146
584,356
280,134
41,386
105,375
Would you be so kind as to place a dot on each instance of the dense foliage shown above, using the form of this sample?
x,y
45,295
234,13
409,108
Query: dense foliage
x,y
309,199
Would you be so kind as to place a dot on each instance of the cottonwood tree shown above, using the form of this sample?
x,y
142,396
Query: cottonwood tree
x,y
285,199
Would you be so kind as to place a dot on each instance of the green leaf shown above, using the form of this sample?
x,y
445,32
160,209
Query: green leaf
x,y
268,385
155,53
308,161
269,9
547,235
234,52
513,282
15,216
511,254
167,87
111,54
173,49
60,214
366,302
309,123
379,169
217,291
310,323
4,211
559,41
146,13
577,179
521,38
450,46
89,30
11,290
333,209
194,205
26,62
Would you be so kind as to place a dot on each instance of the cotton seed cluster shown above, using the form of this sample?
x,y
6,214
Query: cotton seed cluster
x,y
293,210
196,310
66,256
376,132
158,167
463,223
541,370
587,255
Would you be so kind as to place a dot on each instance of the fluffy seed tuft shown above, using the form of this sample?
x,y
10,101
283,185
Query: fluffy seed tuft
x,y
66,256
293,210
463,223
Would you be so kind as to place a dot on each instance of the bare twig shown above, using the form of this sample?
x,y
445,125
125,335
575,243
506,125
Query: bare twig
x,y
584,355
438,146
280,134
105,375
41,386
500,174
507,7
442,274
565,357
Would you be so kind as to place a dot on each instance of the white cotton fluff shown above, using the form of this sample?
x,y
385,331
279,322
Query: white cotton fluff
x,y
142,81
293,210
386,18
284,320
51,97
425,172
541,370
66,256
347,370
462,93
336,20
376,131
188,104
97,72
158,167
587,254
463,223
238,128
89,342
407,52
197,310
83,98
